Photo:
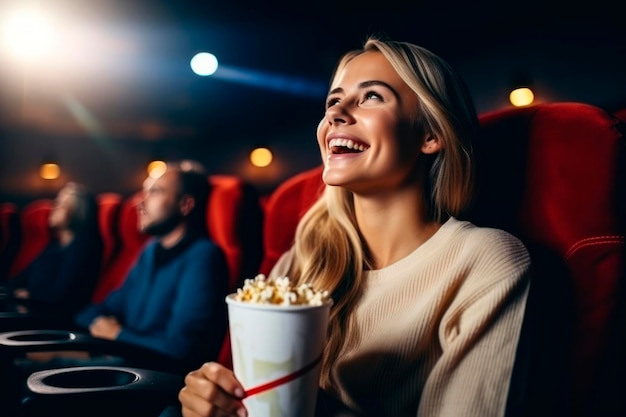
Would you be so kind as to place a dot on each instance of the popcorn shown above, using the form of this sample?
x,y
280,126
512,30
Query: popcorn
x,y
278,291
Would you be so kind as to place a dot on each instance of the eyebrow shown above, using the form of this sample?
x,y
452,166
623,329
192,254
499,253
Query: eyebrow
x,y
366,84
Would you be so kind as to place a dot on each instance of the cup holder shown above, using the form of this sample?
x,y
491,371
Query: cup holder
x,y
81,379
37,337
90,378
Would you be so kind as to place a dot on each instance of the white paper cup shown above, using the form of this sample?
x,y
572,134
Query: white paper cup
x,y
278,350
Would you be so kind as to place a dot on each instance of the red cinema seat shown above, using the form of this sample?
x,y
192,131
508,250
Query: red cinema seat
x,y
35,233
10,237
131,243
283,209
234,220
109,205
553,174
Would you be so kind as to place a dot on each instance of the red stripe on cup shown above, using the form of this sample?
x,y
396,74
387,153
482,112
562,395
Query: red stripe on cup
x,y
280,381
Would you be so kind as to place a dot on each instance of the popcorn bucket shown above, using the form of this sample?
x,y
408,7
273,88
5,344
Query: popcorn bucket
x,y
277,352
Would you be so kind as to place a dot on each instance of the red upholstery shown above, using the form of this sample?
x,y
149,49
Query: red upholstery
x,y
109,205
234,219
131,243
35,233
550,174
283,210
10,237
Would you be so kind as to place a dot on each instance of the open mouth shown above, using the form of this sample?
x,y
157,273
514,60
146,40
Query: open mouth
x,y
342,146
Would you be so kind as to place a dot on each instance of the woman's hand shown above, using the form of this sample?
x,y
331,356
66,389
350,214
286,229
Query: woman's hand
x,y
212,391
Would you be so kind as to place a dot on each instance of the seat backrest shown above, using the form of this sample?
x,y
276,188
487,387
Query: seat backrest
x,y
131,242
109,205
234,221
35,233
550,174
283,210
10,237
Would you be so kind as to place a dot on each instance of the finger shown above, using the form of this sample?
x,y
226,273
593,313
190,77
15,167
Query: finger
x,y
223,377
217,404
212,390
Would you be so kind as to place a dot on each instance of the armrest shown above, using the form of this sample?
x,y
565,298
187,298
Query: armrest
x,y
18,343
100,391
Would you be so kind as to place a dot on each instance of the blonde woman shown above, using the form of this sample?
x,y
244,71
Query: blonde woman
x,y
428,308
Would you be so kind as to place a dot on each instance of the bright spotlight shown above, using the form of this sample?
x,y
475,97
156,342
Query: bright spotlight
x,y
204,63
27,34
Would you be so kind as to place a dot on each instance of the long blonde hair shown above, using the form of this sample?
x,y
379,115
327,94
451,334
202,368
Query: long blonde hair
x,y
329,251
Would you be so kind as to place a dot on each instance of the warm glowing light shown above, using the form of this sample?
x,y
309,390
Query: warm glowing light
x,y
522,96
204,63
156,169
27,34
49,171
261,157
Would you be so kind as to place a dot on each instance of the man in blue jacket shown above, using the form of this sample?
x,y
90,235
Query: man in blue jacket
x,y
172,301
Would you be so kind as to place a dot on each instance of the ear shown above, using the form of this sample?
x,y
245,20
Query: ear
x,y
186,204
431,144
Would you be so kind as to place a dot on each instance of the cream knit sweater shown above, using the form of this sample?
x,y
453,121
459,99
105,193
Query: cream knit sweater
x,y
436,332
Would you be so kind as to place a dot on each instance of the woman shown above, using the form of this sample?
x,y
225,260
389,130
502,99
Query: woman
x,y
428,308
63,276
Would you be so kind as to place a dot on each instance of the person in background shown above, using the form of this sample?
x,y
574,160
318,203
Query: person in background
x,y
61,279
172,301
428,307
171,304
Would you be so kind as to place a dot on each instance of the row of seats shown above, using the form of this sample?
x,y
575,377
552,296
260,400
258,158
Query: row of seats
x,y
553,174
233,220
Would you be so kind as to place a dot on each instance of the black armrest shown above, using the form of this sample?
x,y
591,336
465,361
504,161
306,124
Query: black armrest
x,y
18,343
100,391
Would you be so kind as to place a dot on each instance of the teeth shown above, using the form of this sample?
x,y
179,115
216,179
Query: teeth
x,y
346,143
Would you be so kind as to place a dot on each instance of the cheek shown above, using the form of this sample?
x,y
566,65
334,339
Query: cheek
x,y
322,128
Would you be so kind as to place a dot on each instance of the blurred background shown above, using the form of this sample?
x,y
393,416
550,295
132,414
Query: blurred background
x,y
101,88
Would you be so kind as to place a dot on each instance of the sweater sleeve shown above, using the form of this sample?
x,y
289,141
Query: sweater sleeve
x,y
479,334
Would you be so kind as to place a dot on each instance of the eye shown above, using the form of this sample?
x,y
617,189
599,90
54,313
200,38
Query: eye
x,y
331,102
373,95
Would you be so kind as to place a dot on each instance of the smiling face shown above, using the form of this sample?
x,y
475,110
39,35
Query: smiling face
x,y
369,137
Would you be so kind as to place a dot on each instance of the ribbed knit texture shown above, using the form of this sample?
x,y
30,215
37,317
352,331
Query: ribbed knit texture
x,y
436,332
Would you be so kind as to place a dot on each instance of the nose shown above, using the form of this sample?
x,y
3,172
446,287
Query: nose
x,y
339,114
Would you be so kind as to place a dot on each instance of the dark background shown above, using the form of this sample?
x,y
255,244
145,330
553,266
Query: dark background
x,y
119,91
